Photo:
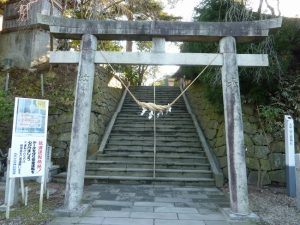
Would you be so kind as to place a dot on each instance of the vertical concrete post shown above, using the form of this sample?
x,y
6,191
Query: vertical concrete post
x,y
290,155
81,121
234,128
158,45
297,158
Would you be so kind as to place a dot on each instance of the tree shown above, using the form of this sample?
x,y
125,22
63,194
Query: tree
x,y
254,82
129,10
271,89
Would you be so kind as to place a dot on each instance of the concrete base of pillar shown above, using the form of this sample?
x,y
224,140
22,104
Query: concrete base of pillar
x,y
79,211
240,217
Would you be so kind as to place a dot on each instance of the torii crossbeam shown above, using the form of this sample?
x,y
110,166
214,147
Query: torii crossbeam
x,y
158,31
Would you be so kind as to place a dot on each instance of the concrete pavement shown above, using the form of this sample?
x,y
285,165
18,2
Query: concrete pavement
x,y
151,205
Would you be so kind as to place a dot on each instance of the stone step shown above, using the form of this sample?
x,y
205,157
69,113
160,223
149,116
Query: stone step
x,y
158,125
158,122
150,133
150,143
160,135
129,108
161,159
138,172
149,129
150,154
158,138
128,156
150,148
146,164
169,116
138,111
200,182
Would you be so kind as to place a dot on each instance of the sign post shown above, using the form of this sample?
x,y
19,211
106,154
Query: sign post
x,y
298,180
29,138
290,155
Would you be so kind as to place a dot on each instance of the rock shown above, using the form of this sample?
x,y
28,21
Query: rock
x,y
65,118
62,128
213,124
211,133
250,128
277,146
58,153
94,127
92,149
253,178
248,141
93,139
225,172
221,131
261,152
277,176
297,148
252,163
59,144
220,151
260,140
223,161
65,137
296,137
220,141
277,161
250,152
265,164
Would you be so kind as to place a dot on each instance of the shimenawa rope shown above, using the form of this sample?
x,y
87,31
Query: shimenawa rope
x,y
152,107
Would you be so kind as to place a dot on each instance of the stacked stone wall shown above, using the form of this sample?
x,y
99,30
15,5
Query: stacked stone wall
x,y
104,103
265,156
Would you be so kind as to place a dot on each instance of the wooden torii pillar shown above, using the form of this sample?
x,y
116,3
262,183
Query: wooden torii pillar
x,y
226,33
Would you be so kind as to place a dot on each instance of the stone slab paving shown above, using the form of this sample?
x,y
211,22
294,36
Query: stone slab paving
x,y
151,205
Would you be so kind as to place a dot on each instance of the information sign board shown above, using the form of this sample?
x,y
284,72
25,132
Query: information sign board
x,y
29,136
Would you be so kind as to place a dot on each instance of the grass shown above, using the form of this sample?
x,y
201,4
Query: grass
x,y
29,215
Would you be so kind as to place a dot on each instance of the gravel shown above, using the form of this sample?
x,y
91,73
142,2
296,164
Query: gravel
x,y
273,206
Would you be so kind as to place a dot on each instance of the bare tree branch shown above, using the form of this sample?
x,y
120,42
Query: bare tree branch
x,y
270,8
259,8
24,7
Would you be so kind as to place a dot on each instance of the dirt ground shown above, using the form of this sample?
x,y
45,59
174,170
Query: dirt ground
x,y
271,204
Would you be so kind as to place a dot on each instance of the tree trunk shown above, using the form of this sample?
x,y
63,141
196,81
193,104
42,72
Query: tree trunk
x,y
259,8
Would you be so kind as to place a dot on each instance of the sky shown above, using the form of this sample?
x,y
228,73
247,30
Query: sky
x,y
185,8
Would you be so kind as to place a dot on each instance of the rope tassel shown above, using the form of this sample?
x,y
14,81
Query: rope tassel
x,y
152,108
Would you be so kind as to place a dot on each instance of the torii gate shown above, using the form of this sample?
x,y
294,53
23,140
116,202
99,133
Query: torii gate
x,y
159,31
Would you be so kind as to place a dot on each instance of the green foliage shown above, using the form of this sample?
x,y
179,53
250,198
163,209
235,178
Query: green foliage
x,y
59,85
6,107
271,117
270,88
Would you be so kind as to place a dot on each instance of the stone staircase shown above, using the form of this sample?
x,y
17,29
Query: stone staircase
x,y
128,155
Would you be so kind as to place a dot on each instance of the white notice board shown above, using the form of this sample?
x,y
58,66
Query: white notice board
x,y
29,138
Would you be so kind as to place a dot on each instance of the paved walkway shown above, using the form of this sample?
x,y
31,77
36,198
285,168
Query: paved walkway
x,y
151,205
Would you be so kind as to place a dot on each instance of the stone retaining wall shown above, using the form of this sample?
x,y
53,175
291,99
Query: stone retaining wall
x,y
105,101
265,156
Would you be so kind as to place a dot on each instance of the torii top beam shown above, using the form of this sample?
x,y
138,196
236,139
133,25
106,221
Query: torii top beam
x,y
248,31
